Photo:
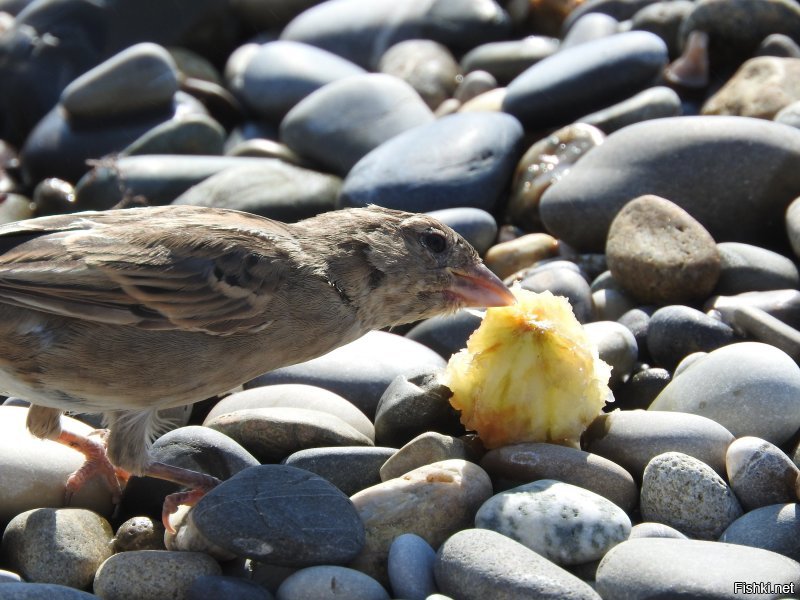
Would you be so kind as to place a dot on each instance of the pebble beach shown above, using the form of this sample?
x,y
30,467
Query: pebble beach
x,y
640,158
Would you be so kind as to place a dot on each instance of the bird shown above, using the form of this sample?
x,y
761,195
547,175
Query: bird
x,y
126,312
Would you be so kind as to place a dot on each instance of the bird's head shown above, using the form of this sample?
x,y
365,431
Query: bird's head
x,y
405,267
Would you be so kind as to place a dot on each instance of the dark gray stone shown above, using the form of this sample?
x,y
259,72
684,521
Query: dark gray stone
x,y
277,75
653,103
477,226
567,84
291,518
775,527
748,268
562,279
190,134
362,30
459,160
677,331
664,19
351,469
641,389
214,587
690,161
272,189
413,405
447,334
616,347
507,59
760,473
43,591
336,125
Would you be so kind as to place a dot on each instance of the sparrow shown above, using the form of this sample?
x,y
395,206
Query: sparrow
x,y
126,312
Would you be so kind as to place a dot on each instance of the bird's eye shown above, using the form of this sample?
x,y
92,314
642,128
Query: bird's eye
x,y
434,240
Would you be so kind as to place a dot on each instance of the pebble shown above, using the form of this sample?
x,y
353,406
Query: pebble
x,y
330,581
272,434
159,574
648,529
458,160
427,66
562,278
760,473
34,471
198,448
479,563
412,504
774,527
213,587
660,254
631,438
271,188
653,103
139,533
589,27
753,151
750,388
362,30
349,468
507,59
186,134
781,304
564,523
410,567
474,84
743,94
291,518
639,391
43,591
778,44
423,450
9,577
274,77
63,546
361,370
676,331
685,493
477,226
664,19
653,568
446,334
511,465
338,124
562,87
295,395
616,346
748,268
506,258
411,406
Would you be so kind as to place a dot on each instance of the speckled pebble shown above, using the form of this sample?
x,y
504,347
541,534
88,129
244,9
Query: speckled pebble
x,y
687,494
760,473
562,522
139,533
159,574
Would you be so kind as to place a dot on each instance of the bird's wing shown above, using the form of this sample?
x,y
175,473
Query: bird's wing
x,y
159,268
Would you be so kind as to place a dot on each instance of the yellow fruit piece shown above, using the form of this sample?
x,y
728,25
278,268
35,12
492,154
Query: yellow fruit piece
x,y
529,373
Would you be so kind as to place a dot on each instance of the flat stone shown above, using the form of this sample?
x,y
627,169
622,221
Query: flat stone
x,y
272,434
361,370
291,518
412,504
507,59
517,463
63,546
159,574
426,448
648,529
653,103
295,395
458,160
338,124
564,86
660,254
687,494
475,564
564,523
272,189
213,587
748,268
652,568
189,134
631,438
672,158
43,591
675,331
749,387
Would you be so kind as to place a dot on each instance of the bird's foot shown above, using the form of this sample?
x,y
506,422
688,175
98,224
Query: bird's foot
x,y
96,464
199,483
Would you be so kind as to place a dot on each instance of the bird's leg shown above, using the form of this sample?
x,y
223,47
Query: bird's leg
x,y
129,447
45,422
199,484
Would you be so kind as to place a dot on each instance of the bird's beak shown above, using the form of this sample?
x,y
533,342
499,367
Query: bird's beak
x,y
477,287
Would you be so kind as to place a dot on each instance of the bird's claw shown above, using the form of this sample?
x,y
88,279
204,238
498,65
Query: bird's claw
x,y
96,463
189,498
